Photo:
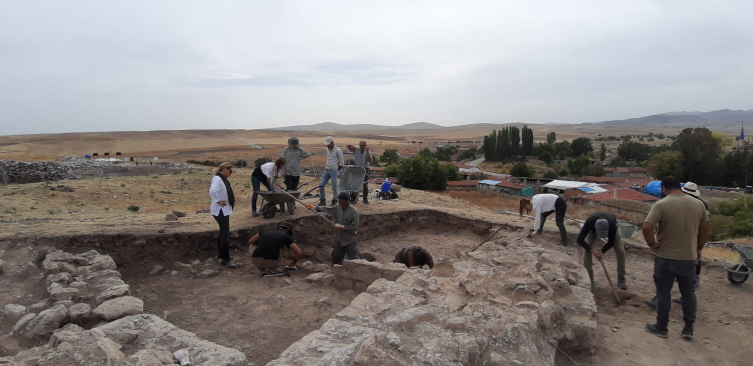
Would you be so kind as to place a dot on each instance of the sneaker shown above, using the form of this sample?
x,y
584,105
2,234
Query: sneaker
x,y
365,202
254,214
228,264
687,333
654,329
621,283
679,301
650,302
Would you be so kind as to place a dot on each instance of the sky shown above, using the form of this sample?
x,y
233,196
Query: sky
x,y
76,66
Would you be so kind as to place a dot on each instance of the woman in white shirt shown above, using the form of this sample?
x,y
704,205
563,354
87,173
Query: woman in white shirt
x,y
221,207
263,175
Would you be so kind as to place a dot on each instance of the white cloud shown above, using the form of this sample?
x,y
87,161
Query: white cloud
x,y
88,65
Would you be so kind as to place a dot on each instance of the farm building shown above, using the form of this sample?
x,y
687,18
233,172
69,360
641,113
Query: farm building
x,y
621,194
505,187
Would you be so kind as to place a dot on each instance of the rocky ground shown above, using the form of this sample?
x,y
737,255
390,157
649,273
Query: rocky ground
x,y
190,302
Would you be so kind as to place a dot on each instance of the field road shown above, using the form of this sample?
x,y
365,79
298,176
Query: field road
x,y
474,163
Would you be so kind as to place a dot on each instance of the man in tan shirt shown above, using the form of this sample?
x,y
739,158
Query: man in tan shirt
x,y
682,232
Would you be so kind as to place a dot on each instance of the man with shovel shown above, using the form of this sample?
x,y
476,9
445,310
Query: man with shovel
x,y
602,225
346,223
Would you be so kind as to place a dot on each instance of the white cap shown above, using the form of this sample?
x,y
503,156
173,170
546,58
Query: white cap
x,y
329,140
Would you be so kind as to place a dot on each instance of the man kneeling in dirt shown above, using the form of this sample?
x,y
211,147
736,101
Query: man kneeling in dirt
x,y
346,223
414,255
266,256
602,225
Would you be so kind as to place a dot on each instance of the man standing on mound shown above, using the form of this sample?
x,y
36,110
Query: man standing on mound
x,y
682,233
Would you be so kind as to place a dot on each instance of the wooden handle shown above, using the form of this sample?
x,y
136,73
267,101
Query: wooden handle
x,y
487,238
306,204
614,292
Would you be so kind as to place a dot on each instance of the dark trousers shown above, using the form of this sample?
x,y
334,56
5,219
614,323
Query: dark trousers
x,y
256,182
224,240
560,206
339,253
366,186
665,273
291,182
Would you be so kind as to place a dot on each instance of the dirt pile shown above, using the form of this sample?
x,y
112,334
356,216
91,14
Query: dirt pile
x,y
502,305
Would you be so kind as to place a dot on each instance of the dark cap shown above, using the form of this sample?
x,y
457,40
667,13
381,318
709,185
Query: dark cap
x,y
602,228
343,196
286,225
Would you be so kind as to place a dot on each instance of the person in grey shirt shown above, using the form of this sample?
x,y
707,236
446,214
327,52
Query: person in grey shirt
x,y
362,157
293,154
346,223
331,170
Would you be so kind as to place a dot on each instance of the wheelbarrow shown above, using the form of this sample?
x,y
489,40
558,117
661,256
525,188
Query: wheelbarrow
x,y
352,181
739,272
271,199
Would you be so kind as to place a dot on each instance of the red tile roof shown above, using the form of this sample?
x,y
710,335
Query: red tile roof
x,y
632,170
508,184
624,194
601,179
378,169
462,183
608,169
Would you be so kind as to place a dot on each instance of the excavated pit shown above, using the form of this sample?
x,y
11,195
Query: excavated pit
x,y
261,317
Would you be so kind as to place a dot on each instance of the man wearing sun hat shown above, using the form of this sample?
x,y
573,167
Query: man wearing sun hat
x,y
602,225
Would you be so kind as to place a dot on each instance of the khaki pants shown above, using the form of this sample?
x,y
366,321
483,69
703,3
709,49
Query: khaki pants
x,y
265,264
619,251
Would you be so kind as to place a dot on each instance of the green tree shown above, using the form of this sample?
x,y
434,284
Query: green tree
x,y
602,152
527,141
515,150
550,174
632,150
551,137
593,171
521,169
261,161
701,156
665,164
546,157
581,146
576,165
389,156
426,174
392,170
468,154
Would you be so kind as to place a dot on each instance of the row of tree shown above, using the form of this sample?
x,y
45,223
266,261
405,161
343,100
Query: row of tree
x,y
505,144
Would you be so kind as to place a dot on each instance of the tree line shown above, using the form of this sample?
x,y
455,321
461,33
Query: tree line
x,y
508,144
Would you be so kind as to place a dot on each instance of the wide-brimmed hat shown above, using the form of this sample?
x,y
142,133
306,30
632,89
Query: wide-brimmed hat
x,y
328,140
293,141
691,189
602,228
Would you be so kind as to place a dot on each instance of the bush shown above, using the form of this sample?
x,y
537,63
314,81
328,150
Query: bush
x,y
422,173
205,162
133,208
392,170
550,174
240,163
261,161
521,169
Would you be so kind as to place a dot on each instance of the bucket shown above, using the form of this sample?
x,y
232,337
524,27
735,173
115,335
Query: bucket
x,y
626,229
386,186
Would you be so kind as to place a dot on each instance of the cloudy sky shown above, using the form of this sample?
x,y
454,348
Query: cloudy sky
x,y
69,66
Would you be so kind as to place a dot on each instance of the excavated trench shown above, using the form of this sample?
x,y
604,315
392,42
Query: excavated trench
x,y
236,308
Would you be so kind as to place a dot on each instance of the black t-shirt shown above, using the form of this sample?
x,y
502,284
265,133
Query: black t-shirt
x,y
420,255
271,240
590,225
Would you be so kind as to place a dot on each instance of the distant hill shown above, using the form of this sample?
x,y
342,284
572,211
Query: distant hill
x,y
720,118
331,126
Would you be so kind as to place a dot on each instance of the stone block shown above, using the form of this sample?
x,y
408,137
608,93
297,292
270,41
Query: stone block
x,y
361,270
119,307
63,293
321,278
62,278
113,292
393,271
101,263
46,322
80,314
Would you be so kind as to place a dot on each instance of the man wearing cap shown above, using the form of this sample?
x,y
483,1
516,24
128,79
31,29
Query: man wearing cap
x,y
602,225
362,157
266,256
346,223
682,232
335,162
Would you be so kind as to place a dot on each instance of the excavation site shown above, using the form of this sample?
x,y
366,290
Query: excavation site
x,y
135,294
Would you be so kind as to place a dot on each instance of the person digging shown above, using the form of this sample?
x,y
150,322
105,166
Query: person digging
x,y
346,223
414,255
266,256
602,225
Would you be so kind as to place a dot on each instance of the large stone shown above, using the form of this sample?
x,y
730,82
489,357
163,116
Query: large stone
x,y
151,357
63,293
42,304
62,278
21,323
80,313
361,270
113,292
46,322
321,278
101,262
443,269
171,217
119,307
14,310
179,213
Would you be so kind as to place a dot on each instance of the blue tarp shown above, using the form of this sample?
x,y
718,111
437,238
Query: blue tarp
x,y
586,189
654,188
490,182
87,156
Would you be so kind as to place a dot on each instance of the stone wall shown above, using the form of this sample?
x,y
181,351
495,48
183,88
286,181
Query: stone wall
x,y
357,275
70,167
509,303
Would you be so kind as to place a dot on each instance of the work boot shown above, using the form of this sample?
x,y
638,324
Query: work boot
x,y
657,330
254,213
650,302
621,283
687,332
228,264
322,202
591,276
365,200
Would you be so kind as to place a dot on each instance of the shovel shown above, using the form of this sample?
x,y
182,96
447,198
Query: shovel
x,y
614,292
306,204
